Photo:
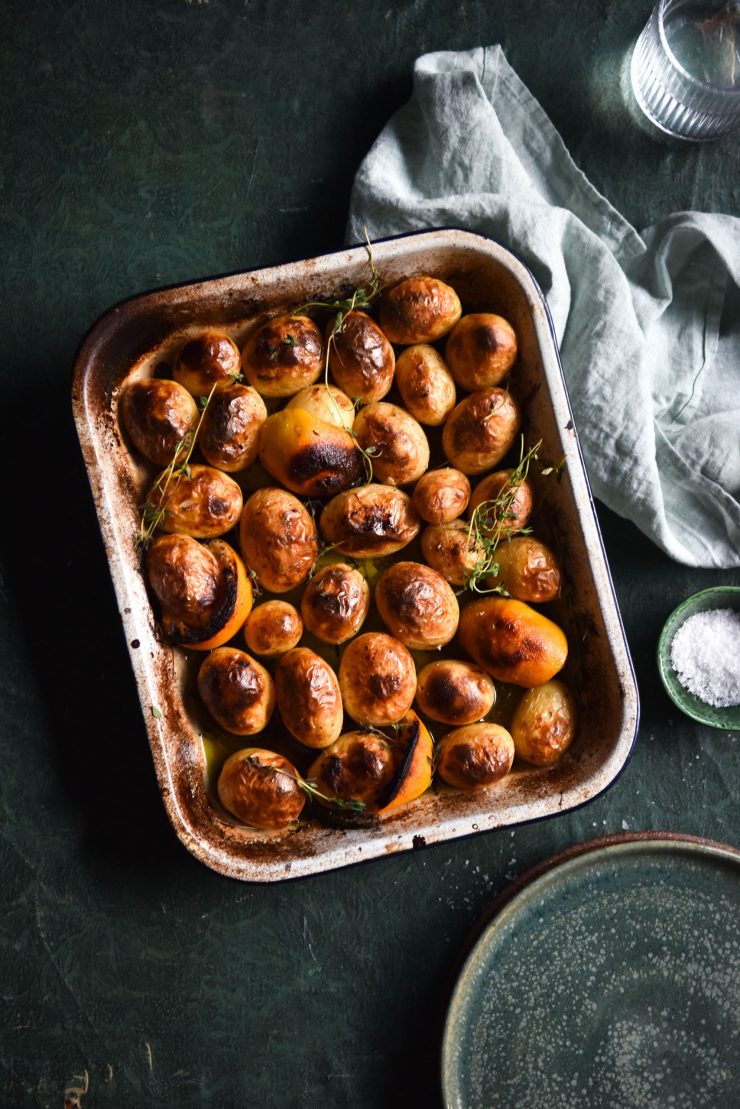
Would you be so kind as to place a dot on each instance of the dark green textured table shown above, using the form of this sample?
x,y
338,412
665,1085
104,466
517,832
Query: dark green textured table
x,y
146,142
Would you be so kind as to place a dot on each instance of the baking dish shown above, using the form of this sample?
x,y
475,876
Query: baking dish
x,y
132,338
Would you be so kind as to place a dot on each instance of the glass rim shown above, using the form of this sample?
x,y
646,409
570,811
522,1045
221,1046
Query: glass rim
x,y
724,93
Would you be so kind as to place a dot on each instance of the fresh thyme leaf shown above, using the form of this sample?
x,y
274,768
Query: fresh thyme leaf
x,y
236,379
156,713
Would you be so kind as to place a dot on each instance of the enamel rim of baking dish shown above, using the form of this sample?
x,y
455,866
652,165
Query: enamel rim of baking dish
x,y
137,326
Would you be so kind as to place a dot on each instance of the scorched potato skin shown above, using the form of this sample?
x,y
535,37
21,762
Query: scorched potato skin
x,y
335,603
261,788
203,503
441,495
278,539
229,433
237,691
283,356
157,414
527,569
377,678
544,723
425,384
453,691
361,359
452,551
417,605
308,697
481,429
475,756
211,359
309,456
395,442
480,350
511,641
359,766
419,310
370,521
273,628
502,486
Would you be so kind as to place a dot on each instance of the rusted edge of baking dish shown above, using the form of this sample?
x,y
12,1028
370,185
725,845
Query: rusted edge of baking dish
x,y
488,277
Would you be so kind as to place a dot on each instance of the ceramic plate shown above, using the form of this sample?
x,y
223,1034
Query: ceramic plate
x,y
613,979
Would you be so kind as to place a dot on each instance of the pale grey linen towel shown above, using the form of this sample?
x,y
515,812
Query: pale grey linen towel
x,y
649,324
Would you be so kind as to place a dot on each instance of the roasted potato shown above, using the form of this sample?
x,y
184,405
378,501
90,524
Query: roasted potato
x,y
454,692
377,678
370,521
527,569
394,441
308,697
425,384
261,788
335,603
417,605
283,356
511,641
359,767
229,433
326,403
480,430
203,503
209,359
480,350
157,414
441,495
452,550
504,503
361,359
278,539
544,723
310,456
236,690
419,310
273,628
474,756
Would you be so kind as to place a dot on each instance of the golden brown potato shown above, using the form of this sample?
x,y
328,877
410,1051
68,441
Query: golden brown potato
x,y
369,522
480,350
425,384
326,403
396,443
236,690
474,756
419,310
377,678
417,605
229,433
454,692
283,356
504,503
278,539
359,767
261,788
335,603
441,495
527,569
544,723
208,360
157,414
480,431
273,628
205,504
452,551
361,359
511,641
310,456
308,698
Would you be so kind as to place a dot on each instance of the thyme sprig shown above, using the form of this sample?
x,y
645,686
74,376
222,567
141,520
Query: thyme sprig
x,y
307,785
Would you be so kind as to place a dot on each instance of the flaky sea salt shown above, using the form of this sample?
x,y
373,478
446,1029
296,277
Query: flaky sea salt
x,y
705,653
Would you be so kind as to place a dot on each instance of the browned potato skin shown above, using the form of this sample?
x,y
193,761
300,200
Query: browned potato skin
x,y
519,508
237,691
395,441
326,403
425,384
204,505
454,692
308,697
185,576
311,457
475,756
273,628
361,359
441,495
261,788
208,360
157,413
283,356
369,522
358,767
544,723
419,310
377,678
278,539
481,429
527,569
480,350
335,603
511,641
451,551
417,605
229,433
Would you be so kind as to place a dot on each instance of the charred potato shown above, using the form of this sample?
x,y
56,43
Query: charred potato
x,y
474,756
370,521
308,698
326,403
480,430
358,768
417,605
377,678
527,569
425,384
157,414
511,641
361,359
261,788
454,692
544,723
229,433
504,503
202,503
480,350
273,628
335,603
278,539
283,356
310,456
211,359
419,310
236,690
441,495
395,442
452,551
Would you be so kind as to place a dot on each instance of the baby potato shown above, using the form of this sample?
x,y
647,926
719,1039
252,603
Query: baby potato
x,y
236,690
425,384
511,641
475,756
283,356
481,429
335,603
454,692
361,359
308,698
394,441
369,522
278,539
377,678
419,310
326,403
452,551
527,569
417,605
480,350
441,496
310,456
359,767
229,433
157,414
510,506
204,503
261,788
208,360
273,628
544,723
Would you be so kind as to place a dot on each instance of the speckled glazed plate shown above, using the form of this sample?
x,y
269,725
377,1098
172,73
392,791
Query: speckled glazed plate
x,y
611,980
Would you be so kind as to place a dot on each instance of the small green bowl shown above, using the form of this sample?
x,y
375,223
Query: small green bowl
x,y
721,596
